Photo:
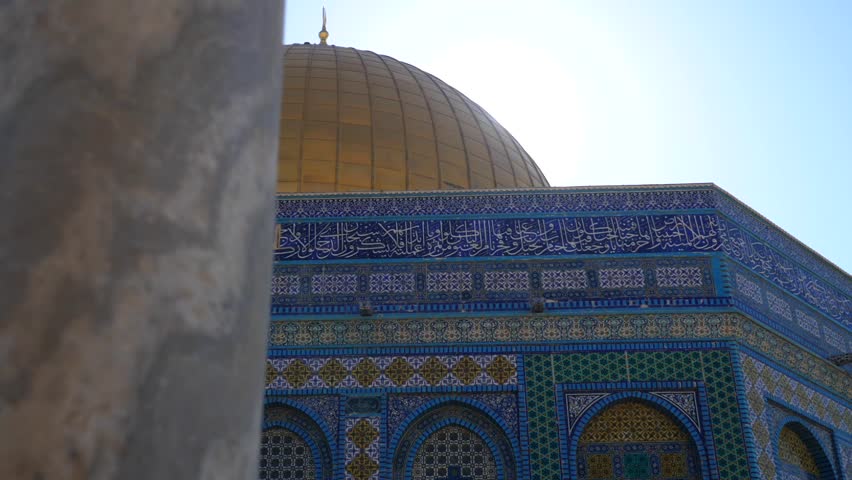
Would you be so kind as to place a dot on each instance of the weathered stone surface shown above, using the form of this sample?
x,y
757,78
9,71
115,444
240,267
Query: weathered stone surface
x,y
137,157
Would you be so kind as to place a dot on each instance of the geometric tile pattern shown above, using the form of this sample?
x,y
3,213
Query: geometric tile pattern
x,y
555,328
333,284
686,402
456,453
362,448
569,279
284,455
449,282
778,306
762,381
679,276
632,422
503,405
495,201
793,453
633,440
285,285
740,233
621,278
808,323
626,199
309,286
391,282
789,314
749,289
578,403
390,371
714,367
507,280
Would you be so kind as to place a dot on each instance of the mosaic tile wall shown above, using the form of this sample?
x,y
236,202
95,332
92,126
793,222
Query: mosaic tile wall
x,y
732,228
714,366
553,329
633,440
785,313
402,319
774,395
469,286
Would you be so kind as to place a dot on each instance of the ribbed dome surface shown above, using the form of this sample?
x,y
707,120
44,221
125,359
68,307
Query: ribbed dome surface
x,y
353,120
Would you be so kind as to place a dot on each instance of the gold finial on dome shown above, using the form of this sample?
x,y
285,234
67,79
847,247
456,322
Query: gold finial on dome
x,y
323,34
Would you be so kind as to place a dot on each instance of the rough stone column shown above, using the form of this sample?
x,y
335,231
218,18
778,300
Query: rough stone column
x,y
137,173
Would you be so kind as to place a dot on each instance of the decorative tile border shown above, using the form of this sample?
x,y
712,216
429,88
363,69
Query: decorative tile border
x,y
742,233
686,401
786,313
760,258
432,286
352,372
763,383
515,330
498,237
628,370
471,202
362,448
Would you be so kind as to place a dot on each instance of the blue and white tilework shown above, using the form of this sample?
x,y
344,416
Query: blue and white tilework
x,y
285,285
749,288
498,237
449,281
403,286
738,231
679,277
507,281
333,284
778,306
504,405
569,279
787,314
808,323
764,384
621,278
391,282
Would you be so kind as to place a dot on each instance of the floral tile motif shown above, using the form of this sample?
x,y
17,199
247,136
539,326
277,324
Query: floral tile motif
x,y
362,448
391,371
763,382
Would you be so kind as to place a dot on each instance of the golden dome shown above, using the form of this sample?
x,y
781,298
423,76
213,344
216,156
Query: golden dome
x,y
353,120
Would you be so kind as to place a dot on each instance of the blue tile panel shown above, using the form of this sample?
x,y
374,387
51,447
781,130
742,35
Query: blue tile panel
x,y
558,200
786,313
775,396
425,286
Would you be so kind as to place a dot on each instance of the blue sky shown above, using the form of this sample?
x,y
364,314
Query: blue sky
x,y
753,95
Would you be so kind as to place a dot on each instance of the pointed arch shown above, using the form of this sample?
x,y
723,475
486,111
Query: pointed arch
x,y
294,445
692,435
475,426
799,452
